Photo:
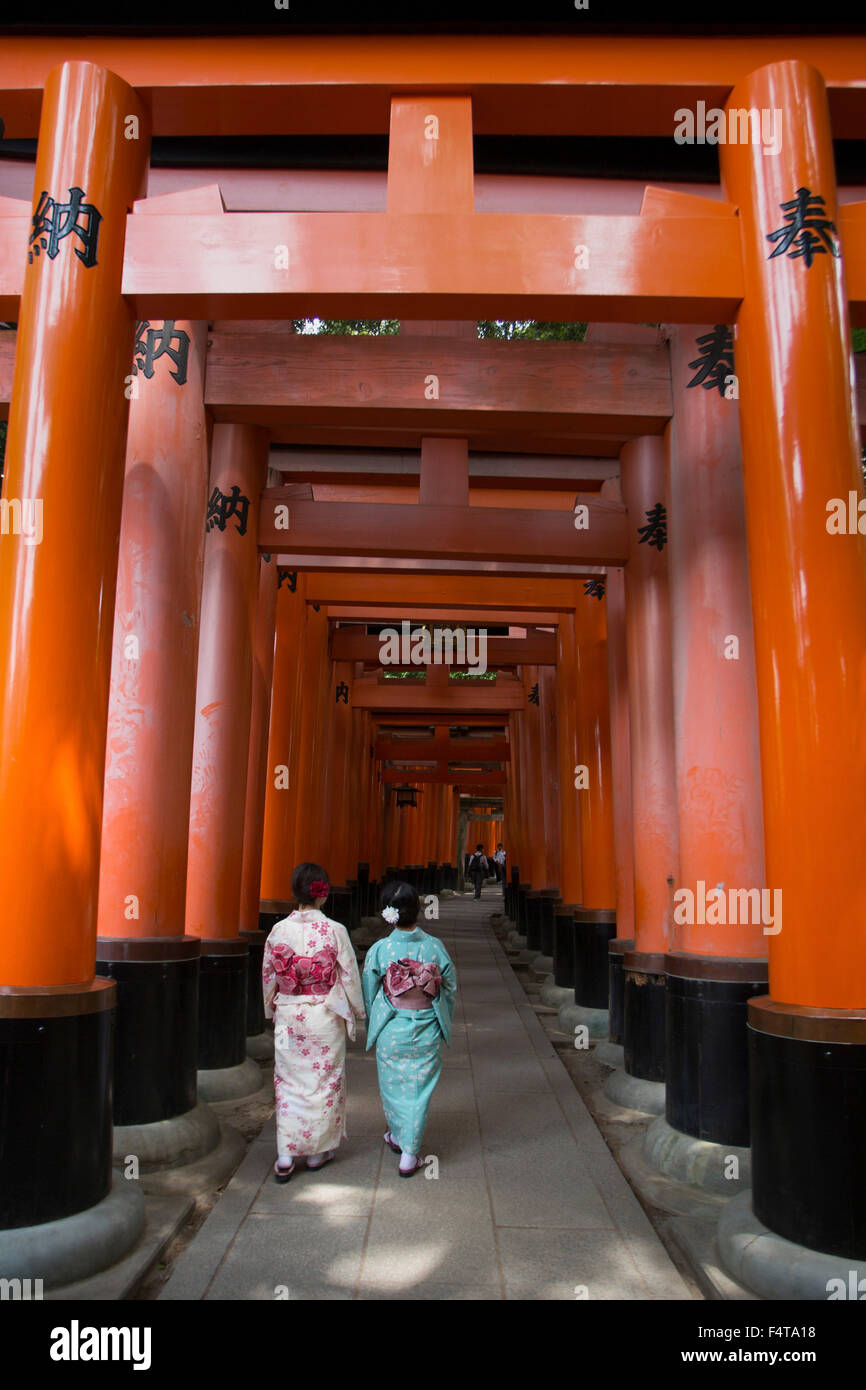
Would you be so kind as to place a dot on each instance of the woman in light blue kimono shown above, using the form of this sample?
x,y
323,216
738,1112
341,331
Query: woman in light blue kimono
x,y
409,990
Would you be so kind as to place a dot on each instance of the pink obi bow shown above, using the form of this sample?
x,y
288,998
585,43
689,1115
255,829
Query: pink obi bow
x,y
403,975
314,974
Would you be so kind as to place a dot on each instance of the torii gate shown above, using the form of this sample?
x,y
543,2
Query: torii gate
x,y
77,273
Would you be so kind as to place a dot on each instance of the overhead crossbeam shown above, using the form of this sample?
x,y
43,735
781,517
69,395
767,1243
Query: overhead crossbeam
x,y
444,533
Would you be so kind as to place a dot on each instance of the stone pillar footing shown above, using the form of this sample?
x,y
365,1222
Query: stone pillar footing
x,y
612,1054
697,1162
572,1016
76,1247
554,996
632,1093
230,1083
261,1046
775,1268
168,1143
542,965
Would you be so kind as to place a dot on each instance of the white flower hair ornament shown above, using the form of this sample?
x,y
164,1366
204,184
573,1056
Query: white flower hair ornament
x,y
391,914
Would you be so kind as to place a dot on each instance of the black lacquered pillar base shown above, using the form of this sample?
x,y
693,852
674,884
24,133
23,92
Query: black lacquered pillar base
x,y
56,1062
273,910
255,998
808,1120
222,1010
533,920
643,1032
523,891
549,897
706,1044
616,983
593,932
563,945
339,905
155,1054
511,896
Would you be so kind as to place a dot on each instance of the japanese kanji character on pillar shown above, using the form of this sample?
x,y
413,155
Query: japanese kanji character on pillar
x,y
222,507
808,227
153,343
52,221
656,530
533,694
715,365
341,693
289,577
594,588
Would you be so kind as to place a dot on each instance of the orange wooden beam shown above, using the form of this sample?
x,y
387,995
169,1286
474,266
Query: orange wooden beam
x,y
446,533
395,775
397,565
457,697
349,644
519,84
442,749
407,594
370,381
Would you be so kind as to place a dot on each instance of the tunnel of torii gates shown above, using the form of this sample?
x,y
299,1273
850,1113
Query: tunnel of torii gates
x,y
193,700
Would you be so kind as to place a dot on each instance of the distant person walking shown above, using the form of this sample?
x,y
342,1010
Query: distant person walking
x,y
499,863
479,869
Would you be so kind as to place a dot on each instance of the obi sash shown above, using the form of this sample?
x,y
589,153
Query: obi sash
x,y
305,975
412,984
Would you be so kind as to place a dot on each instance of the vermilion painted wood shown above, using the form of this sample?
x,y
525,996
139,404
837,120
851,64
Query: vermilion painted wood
x,y
442,747
65,451
570,877
223,700
718,763
550,774
151,711
499,471
371,613
284,743
431,265
405,695
257,769
593,748
411,594
531,386
573,84
540,647
620,752
650,694
430,154
366,565
435,778
443,532
444,479
800,450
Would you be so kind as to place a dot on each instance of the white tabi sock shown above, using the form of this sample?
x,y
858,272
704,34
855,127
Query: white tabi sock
x,y
408,1160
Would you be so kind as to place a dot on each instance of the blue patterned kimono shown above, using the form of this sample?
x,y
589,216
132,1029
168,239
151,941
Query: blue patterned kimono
x,y
408,1041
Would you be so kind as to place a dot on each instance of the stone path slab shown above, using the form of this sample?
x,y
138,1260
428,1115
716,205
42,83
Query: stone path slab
x,y
520,1198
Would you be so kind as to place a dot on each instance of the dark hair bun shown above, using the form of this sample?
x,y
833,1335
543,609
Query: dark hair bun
x,y
303,878
405,899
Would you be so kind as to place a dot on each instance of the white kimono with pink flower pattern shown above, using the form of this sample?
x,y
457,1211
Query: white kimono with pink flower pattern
x,y
309,951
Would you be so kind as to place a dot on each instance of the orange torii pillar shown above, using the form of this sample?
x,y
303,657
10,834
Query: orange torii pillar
x,y
148,757
717,956
623,823
64,465
260,1043
239,458
801,469
550,802
342,798
533,779
310,842
284,749
571,875
515,903
651,723
595,919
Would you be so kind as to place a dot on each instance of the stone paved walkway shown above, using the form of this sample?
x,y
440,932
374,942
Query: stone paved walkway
x,y
528,1203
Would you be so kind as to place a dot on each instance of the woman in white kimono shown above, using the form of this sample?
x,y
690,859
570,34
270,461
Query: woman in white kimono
x,y
312,991
409,988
